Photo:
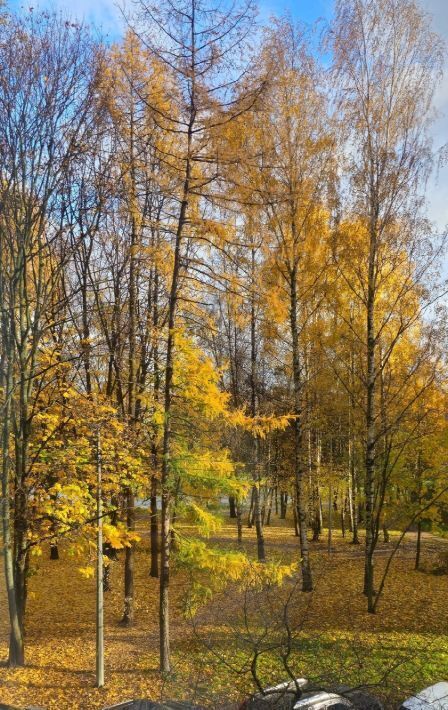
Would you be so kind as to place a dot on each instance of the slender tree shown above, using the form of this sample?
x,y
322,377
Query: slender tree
x,y
387,62
202,66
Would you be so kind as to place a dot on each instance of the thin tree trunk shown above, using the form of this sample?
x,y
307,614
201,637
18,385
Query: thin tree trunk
x,y
419,523
296,523
100,577
256,462
250,515
232,507
269,507
370,427
330,517
317,517
307,581
239,522
283,505
154,530
355,508
16,642
419,545
353,478
128,612
258,523
26,367
107,556
164,622
154,525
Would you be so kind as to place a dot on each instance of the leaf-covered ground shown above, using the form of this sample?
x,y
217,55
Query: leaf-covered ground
x,y
402,648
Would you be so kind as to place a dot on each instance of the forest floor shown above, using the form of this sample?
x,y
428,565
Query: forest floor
x,y
397,651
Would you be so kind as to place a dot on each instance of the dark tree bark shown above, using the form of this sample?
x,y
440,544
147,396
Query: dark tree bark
x,y
418,549
128,611
307,581
256,461
154,530
283,505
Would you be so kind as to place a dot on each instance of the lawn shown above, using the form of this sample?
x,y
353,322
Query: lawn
x,y
400,649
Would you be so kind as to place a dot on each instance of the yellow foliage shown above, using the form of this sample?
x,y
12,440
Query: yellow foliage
x,y
87,572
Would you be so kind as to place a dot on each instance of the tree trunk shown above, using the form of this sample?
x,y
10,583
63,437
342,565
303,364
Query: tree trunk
x,y
419,546
370,426
16,641
250,515
256,462
165,661
296,523
21,557
307,582
353,478
258,525
355,508
128,613
283,505
317,516
107,587
164,621
419,523
330,518
154,524
239,522
269,507
99,575
154,530
316,528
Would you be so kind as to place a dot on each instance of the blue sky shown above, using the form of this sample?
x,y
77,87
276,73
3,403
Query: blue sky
x,y
106,15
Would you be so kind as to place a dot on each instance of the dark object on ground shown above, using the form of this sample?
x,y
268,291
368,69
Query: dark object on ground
x,y
359,698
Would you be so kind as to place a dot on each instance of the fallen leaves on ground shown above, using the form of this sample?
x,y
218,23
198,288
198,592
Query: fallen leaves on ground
x,y
406,637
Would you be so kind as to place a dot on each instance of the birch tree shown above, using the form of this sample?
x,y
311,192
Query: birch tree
x,y
387,62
